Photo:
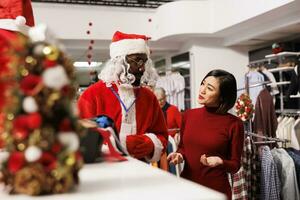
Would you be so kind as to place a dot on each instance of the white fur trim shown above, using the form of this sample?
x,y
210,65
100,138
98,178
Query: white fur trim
x,y
128,124
127,47
158,147
14,25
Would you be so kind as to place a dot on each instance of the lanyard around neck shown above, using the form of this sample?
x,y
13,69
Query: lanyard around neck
x,y
120,100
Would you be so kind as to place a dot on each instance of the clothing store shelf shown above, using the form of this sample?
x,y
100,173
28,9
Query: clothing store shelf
x,y
285,53
278,69
295,96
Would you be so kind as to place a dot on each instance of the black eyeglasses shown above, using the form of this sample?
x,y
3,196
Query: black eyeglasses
x,y
139,63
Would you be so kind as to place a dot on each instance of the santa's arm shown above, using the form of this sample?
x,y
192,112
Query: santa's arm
x,y
158,134
86,106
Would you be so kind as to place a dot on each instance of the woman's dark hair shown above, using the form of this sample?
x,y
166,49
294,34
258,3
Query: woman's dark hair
x,y
228,89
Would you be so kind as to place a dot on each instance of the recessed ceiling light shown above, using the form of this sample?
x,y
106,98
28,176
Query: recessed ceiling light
x,y
86,64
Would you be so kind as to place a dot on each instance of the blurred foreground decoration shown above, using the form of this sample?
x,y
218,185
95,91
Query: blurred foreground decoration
x,y
38,128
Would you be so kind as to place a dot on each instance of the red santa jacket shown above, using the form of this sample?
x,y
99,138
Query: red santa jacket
x,y
98,99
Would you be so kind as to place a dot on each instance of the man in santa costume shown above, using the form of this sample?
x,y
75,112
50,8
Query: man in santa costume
x,y
118,94
15,18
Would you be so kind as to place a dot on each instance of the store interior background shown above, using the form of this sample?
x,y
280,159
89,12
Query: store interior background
x,y
198,35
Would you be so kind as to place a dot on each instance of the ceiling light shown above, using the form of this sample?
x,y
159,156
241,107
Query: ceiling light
x,y
86,64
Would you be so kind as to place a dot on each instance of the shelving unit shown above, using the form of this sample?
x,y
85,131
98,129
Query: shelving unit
x,y
279,56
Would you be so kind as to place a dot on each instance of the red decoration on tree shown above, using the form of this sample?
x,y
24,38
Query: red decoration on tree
x,y
48,160
65,125
29,83
16,161
49,63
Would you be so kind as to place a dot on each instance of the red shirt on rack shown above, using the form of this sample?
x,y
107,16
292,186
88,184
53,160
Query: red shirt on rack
x,y
205,132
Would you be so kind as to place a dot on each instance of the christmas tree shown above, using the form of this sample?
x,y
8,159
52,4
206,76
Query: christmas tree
x,y
38,128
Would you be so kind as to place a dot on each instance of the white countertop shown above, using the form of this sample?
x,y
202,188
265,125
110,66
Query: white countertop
x,y
129,180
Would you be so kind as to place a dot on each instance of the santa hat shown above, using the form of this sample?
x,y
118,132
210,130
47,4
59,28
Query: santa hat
x,y
126,44
16,15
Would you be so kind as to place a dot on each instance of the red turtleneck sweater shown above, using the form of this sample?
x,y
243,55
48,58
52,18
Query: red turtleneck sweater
x,y
205,132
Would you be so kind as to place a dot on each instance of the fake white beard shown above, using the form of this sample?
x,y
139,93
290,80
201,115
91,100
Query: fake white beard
x,y
114,69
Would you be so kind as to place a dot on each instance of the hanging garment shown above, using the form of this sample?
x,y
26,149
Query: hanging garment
x,y
287,130
265,121
254,78
296,133
287,174
174,85
255,173
295,155
241,181
239,187
270,183
274,88
280,128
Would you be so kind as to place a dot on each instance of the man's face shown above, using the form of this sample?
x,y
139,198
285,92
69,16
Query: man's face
x,y
137,66
161,99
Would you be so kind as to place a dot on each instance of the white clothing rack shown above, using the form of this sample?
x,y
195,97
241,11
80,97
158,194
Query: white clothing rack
x,y
256,85
267,138
282,69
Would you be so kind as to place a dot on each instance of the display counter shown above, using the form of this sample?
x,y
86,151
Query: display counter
x,y
129,180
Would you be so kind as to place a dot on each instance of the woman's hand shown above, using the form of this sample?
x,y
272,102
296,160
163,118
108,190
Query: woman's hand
x,y
175,158
211,161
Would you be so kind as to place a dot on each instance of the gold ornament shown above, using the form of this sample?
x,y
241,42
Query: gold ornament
x,y
51,52
64,184
30,180
24,72
10,116
70,161
52,98
30,60
35,137
21,147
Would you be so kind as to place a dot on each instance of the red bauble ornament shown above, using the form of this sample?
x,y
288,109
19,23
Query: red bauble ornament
x,y
15,162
